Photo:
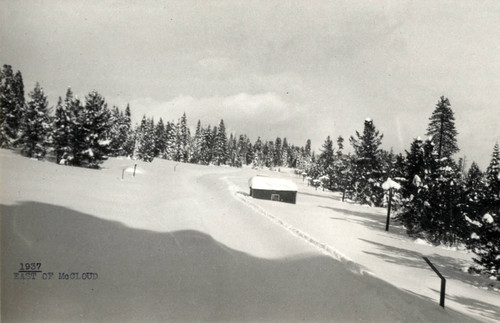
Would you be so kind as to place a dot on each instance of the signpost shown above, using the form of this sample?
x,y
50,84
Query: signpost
x,y
389,184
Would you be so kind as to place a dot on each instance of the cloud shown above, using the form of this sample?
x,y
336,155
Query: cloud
x,y
242,112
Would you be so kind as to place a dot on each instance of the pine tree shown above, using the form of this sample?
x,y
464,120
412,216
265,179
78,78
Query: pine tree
x,y
474,177
368,165
485,237
35,126
268,154
197,142
433,196
419,165
250,153
285,154
182,139
277,157
97,120
341,163
128,132
145,149
90,127
76,116
326,157
116,144
340,143
11,106
258,160
326,160
160,143
442,129
446,204
62,128
206,148
232,152
170,140
221,145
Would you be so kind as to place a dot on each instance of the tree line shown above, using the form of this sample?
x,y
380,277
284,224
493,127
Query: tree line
x,y
439,200
85,133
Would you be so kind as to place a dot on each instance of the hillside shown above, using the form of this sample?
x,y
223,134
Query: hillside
x,y
181,242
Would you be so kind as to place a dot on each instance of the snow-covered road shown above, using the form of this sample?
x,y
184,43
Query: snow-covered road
x,y
173,243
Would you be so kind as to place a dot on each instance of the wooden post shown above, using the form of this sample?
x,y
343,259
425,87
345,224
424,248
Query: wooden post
x,y
135,166
123,172
443,282
388,210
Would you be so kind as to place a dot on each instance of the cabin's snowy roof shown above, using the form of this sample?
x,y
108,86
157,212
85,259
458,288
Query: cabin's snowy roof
x,y
270,183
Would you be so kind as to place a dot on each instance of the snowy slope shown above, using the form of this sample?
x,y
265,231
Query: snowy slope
x,y
356,234
181,242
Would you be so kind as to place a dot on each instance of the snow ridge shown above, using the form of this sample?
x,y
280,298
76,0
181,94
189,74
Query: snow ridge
x,y
324,248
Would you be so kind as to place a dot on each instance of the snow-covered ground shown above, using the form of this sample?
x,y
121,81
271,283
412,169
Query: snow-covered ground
x,y
182,242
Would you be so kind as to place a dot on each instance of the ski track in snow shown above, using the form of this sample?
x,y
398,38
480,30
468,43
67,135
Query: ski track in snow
x,y
322,247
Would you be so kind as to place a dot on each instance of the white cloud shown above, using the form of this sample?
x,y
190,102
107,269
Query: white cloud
x,y
243,112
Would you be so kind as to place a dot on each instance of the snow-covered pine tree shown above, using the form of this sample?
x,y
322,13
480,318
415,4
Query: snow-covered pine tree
x,y
97,124
307,148
12,105
433,196
249,156
277,157
182,140
242,149
145,140
285,153
258,160
128,132
367,170
62,130
415,214
206,146
160,143
442,129
268,154
116,141
485,238
475,197
221,145
196,144
446,203
304,157
234,159
326,160
474,178
341,165
35,126
91,124
170,133
492,172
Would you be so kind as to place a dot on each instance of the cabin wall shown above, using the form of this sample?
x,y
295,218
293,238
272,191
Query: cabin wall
x,y
284,196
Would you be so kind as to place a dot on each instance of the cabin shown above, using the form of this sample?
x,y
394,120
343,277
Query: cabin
x,y
274,189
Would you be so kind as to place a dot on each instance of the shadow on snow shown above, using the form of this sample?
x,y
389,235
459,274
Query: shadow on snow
x,y
370,220
178,276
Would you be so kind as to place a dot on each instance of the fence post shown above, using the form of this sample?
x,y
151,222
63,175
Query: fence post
x,y
388,210
123,172
135,166
443,281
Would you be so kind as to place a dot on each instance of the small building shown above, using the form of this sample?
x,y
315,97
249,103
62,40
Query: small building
x,y
274,189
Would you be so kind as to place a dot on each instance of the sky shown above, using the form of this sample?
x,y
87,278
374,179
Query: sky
x,y
295,69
